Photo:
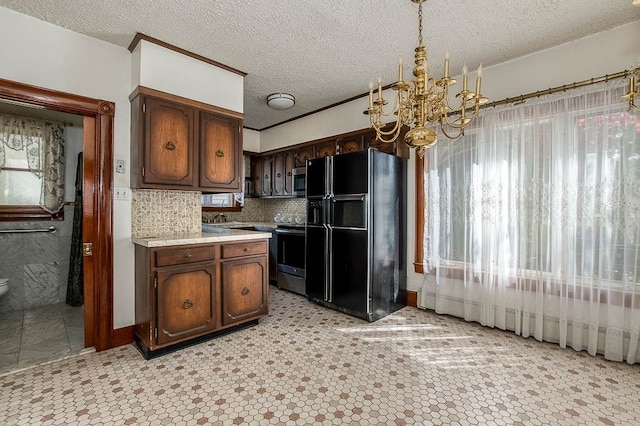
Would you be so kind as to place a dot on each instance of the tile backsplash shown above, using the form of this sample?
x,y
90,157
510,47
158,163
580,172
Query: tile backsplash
x,y
160,212
263,210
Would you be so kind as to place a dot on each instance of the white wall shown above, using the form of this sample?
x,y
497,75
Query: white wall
x,y
163,69
45,55
250,140
603,53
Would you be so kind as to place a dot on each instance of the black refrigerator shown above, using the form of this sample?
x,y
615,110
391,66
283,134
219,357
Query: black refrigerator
x,y
356,233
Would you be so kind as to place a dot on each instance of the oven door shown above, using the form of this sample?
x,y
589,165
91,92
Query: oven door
x,y
291,259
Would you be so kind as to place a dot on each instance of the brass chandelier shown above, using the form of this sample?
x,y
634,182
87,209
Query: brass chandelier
x,y
425,102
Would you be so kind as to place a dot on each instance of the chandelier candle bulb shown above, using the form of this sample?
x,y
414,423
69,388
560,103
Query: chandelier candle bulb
x,y
446,64
379,88
400,71
465,77
371,95
478,80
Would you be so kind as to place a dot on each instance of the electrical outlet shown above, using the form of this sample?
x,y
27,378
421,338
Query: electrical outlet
x,y
121,193
121,166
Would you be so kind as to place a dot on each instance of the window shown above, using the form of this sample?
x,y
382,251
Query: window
x,y
550,187
31,168
220,202
19,186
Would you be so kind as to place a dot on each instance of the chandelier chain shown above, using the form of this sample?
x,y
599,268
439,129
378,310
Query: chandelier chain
x,y
420,23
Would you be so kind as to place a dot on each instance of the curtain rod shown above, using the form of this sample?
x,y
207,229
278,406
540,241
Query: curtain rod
x,y
35,117
520,99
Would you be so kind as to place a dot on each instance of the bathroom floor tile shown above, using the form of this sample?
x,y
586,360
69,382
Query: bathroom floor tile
x,y
46,333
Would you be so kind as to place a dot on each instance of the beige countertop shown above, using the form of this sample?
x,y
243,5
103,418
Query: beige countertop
x,y
210,234
235,224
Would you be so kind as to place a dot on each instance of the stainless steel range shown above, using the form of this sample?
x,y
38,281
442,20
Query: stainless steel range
x,y
290,258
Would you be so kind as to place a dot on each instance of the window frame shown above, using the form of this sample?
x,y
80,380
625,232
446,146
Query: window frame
x,y
20,213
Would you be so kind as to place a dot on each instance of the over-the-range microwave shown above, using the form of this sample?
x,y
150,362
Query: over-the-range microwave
x,y
299,175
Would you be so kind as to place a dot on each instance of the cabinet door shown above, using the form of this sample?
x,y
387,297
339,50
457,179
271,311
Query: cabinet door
x,y
289,164
168,143
277,175
265,185
244,289
326,149
220,153
256,175
186,297
350,144
303,154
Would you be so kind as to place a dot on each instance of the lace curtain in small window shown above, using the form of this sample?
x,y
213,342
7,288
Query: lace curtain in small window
x,y
44,144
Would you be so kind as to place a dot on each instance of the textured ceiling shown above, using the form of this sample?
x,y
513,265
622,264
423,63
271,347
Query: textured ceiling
x,y
326,51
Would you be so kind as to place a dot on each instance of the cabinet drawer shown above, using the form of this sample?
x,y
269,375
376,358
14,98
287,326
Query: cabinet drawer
x,y
244,249
184,255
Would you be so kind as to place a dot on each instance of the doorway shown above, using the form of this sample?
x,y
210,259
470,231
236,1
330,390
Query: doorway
x,y
97,217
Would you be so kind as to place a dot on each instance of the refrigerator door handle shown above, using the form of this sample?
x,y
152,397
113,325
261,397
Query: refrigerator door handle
x,y
328,289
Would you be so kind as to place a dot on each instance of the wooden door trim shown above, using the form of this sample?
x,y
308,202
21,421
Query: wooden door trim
x,y
97,200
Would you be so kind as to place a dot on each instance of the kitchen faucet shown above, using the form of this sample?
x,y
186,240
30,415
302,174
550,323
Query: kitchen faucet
x,y
219,218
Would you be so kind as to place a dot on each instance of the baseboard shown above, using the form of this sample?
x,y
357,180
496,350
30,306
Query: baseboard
x,y
412,298
123,336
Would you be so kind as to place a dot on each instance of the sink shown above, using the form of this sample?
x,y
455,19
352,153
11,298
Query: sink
x,y
214,229
225,224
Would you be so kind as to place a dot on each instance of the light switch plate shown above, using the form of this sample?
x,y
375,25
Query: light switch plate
x,y
121,193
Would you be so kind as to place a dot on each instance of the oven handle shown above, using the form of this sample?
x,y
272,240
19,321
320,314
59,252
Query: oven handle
x,y
289,231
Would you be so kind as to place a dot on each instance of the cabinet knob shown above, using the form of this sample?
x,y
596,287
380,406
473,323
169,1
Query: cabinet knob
x,y
244,291
279,175
187,304
245,249
219,153
170,146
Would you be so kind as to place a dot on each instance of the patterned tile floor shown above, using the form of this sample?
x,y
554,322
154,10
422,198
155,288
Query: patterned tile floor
x,y
305,364
40,334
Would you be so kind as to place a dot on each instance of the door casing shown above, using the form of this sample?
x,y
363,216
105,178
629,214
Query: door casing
x,y
97,204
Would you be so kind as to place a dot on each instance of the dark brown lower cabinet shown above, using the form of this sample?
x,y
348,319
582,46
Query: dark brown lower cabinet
x,y
186,301
245,289
191,292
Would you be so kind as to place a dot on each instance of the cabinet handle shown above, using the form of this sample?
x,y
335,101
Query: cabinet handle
x,y
170,146
244,291
279,175
188,304
219,153
245,249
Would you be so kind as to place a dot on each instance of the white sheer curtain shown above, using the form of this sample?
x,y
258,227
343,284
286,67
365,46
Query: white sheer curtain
x,y
533,222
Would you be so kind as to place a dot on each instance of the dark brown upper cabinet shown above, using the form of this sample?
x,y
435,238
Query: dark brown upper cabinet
x,y
177,143
304,153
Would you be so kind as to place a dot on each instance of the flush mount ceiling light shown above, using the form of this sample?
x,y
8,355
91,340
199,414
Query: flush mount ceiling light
x,y
281,100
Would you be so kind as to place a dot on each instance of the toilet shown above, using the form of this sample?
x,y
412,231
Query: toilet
x,y
4,286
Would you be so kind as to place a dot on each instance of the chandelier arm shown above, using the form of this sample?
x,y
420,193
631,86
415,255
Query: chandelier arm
x,y
394,131
448,135
388,136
